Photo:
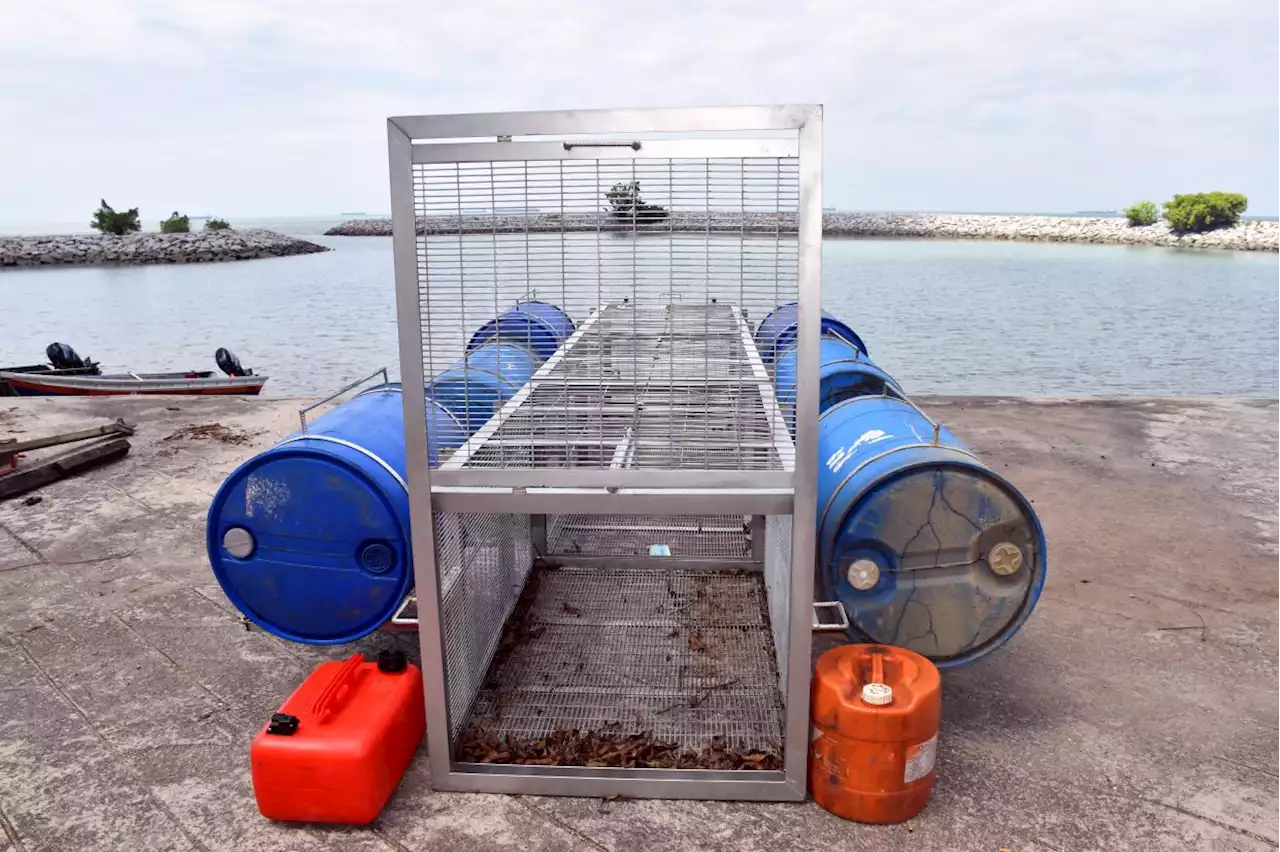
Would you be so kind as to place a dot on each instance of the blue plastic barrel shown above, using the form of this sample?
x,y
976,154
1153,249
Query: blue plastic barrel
x,y
926,547
310,539
777,331
479,383
843,373
540,326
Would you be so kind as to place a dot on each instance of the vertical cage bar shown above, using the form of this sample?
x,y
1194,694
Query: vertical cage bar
x,y
804,513
404,247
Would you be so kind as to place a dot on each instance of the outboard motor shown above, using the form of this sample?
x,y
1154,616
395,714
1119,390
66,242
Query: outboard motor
x,y
229,363
63,357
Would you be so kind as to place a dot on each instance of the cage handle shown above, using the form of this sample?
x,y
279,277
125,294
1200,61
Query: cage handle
x,y
634,146
829,617
402,620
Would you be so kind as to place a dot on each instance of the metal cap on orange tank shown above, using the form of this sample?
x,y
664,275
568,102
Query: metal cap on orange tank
x,y
876,710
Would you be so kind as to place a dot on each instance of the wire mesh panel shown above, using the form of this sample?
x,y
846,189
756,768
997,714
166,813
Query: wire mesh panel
x,y
483,562
600,588
777,579
679,657
660,261
668,387
714,537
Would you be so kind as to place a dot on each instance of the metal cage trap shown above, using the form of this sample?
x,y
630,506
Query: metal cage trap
x,y
614,572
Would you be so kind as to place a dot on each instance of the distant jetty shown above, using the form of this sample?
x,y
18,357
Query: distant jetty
x,y
1246,236
106,249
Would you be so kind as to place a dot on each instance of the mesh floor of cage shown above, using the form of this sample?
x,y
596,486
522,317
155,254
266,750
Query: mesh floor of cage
x,y
626,667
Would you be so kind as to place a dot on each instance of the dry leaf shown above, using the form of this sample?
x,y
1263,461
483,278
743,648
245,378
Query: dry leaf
x,y
590,748
695,641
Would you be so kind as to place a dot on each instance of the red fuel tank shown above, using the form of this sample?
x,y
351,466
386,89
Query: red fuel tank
x,y
338,747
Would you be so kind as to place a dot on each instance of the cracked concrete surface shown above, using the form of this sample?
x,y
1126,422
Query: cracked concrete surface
x,y
1136,710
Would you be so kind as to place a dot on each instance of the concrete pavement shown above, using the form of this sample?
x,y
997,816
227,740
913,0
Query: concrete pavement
x,y
1136,710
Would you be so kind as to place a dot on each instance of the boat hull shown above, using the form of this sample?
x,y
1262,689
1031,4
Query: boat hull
x,y
43,370
26,384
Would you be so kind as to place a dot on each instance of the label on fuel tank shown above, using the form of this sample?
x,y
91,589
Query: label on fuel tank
x,y
920,759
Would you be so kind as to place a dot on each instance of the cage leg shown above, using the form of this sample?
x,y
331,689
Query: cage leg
x,y
538,535
757,538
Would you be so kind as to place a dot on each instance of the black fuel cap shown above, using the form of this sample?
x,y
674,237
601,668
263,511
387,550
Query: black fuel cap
x,y
392,661
283,724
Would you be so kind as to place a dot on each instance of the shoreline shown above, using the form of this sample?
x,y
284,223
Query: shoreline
x,y
1248,235
145,248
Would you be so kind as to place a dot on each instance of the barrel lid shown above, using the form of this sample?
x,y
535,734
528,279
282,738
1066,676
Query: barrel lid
x,y
308,541
946,560
877,694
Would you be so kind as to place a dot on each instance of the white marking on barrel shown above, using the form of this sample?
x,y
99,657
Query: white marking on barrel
x,y
265,495
872,436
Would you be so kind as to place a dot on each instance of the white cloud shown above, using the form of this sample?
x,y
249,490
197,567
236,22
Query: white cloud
x,y
264,107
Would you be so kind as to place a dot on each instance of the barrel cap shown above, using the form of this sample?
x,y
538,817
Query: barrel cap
x,y
863,574
1005,558
878,694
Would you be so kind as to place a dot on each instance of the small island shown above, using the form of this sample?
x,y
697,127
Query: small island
x,y
199,247
121,241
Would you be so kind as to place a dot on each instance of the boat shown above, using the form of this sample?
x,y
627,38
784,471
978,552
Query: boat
x,y
63,361
237,381
201,383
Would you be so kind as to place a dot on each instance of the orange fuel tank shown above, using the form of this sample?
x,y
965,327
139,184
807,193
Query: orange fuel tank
x,y
337,748
875,711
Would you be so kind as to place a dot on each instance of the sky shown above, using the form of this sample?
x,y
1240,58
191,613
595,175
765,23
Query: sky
x,y
275,107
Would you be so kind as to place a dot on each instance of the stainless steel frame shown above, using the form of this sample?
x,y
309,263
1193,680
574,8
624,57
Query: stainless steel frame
x,y
791,131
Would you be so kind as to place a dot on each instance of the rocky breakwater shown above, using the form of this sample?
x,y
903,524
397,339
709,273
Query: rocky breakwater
x,y
198,247
1246,236
542,223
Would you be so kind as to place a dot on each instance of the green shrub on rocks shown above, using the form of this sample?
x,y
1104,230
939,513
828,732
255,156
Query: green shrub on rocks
x,y
217,225
176,224
1142,213
109,221
1204,211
